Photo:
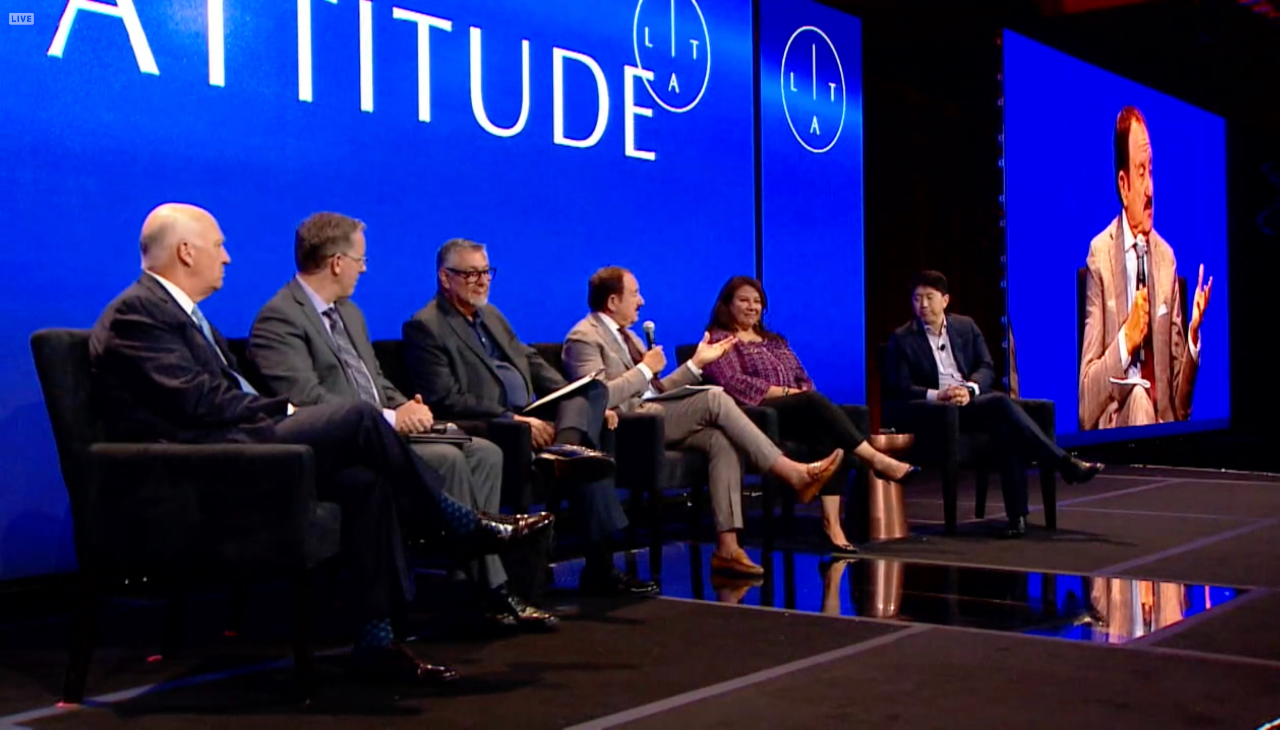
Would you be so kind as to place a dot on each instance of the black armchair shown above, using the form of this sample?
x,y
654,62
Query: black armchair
x,y
173,512
767,419
940,442
519,488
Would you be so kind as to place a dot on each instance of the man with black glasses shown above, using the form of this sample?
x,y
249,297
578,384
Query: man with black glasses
x,y
465,359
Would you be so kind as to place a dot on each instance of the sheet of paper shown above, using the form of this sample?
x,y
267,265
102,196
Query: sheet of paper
x,y
566,390
683,391
1132,381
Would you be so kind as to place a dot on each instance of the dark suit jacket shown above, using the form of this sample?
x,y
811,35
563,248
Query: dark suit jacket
x,y
912,370
293,351
445,364
156,377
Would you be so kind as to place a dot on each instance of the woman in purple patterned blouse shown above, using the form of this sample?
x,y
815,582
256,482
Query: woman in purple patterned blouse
x,y
762,369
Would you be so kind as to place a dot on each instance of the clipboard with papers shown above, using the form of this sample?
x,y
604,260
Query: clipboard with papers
x,y
557,396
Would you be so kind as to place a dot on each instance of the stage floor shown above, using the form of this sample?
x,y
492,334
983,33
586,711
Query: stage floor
x,y
1155,604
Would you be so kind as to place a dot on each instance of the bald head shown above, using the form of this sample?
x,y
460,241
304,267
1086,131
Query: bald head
x,y
184,244
165,226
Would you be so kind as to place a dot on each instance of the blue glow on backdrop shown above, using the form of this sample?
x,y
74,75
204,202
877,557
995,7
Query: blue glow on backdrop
x,y
811,165
566,136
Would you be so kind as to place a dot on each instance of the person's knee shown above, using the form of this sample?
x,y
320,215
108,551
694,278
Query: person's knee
x,y
718,402
597,393
487,453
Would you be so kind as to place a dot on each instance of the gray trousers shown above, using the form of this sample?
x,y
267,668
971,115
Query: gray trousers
x,y
713,422
473,476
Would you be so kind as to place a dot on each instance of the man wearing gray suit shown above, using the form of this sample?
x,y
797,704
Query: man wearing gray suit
x,y
708,420
464,357
310,343
1137,366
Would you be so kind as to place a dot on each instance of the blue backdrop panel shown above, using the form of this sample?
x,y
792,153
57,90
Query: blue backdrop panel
x,y
811,189
1060,117
414,117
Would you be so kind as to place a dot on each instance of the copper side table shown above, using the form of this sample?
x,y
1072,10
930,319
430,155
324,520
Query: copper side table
x,y
885,508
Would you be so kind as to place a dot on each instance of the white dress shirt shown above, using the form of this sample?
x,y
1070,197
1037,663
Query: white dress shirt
x,y
321,307
1132,368
944,357
183,300
616,329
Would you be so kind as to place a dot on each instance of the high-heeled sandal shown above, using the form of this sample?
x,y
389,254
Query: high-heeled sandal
x,y
830,547
908,477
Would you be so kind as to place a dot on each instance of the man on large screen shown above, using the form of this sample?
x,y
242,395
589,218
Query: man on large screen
x,y
1137,365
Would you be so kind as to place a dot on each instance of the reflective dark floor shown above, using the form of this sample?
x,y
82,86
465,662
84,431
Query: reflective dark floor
x,y
1083,608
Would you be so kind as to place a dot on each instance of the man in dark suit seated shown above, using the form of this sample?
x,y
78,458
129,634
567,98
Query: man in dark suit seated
x,y
311,344
161,372
942,358
467,362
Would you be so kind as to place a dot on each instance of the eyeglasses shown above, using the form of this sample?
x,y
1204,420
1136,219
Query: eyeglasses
x,y
472,277
362,260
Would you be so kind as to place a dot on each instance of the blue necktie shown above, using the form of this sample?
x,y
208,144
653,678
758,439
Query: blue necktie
x,y
207,329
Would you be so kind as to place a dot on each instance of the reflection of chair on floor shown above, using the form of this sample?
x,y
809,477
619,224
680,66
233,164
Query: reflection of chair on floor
x,y
1128,609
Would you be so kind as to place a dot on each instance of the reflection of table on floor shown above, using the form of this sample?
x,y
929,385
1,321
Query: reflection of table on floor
x,y
884,500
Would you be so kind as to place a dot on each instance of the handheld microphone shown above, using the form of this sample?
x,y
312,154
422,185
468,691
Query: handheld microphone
x,y
648,328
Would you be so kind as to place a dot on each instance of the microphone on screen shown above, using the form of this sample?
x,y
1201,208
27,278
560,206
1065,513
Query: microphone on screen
x,y
942,347
648,328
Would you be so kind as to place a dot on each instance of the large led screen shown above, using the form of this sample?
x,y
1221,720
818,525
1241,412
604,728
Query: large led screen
x,y
811,189
1117,249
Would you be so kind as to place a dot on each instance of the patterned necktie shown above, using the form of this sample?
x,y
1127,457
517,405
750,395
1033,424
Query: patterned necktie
x,y
352,365
1146,356
637,357
207,330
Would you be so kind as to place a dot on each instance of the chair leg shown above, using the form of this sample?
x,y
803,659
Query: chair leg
x,y
949,475
981,479
788,508
768,498
235,612
81,639
303,660
173,643
1049,495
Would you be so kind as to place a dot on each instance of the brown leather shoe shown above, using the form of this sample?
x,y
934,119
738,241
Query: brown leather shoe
x,y
739,564
819,473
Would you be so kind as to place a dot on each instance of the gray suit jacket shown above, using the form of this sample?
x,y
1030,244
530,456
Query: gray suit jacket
x,y
445,364
1107,308
590,345
291,347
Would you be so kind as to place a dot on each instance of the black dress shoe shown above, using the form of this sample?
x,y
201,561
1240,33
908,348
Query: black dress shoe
x,y
573,463
614,583
499,533
1077,471
1016,528
395,664
832,548
907,478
